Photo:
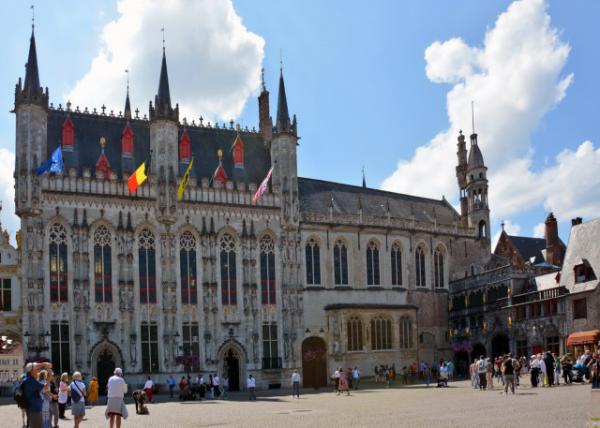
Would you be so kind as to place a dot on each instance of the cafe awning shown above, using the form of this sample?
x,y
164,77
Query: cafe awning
x,y
583,337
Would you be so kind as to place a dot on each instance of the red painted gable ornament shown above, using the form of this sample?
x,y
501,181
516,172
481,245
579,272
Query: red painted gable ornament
x,y
220,174
68,134
184,147
238,152
102,164
127,140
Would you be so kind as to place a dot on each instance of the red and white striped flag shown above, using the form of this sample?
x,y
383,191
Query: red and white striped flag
x,y
263,187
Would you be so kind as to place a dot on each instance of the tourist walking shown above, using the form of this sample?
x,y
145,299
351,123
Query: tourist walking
x,y
356,377
32,390
149,389
225,386
217,385
343,383
556,368
94,387
171,382
567,366
481,372
115,404
295,384
336,378
474,374
63,395
534,370
78,393
251,385
489,373
549,363
508,371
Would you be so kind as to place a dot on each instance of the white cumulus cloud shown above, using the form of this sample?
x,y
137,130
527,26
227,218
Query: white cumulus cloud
x,y
514,78
10,221
213,60
539,230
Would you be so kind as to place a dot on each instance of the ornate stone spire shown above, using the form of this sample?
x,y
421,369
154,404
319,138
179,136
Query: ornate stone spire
x,y
162,101
31,93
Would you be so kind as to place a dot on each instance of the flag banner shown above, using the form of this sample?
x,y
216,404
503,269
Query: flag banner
x,y
53,164
184,181
137,178
263,187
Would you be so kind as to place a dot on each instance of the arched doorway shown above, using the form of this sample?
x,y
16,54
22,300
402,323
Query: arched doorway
x,y
231,368
104,357
500,345
105,367
478,350
461,363
314,362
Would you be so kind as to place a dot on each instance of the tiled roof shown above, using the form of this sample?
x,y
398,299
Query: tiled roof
x,y
317,195
529,247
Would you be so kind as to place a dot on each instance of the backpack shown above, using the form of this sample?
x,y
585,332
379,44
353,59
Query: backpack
x,y
20,397
75,393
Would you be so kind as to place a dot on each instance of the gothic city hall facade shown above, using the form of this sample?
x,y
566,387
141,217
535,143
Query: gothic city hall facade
x,y
315,275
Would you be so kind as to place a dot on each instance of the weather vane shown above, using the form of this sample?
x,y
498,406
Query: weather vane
x,y
32,16
127,74
163,36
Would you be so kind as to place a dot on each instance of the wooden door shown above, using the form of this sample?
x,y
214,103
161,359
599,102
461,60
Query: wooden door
x,y
314,362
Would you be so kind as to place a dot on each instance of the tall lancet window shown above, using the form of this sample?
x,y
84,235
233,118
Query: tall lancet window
x,y
187,263
438,268
228,274
420,267
340,263
313,263
147,266
396,264
58,263
267,270
102,265
372,264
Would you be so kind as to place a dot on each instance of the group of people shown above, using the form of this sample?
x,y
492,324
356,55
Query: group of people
x,y
43,399
346,380
189,388
544,369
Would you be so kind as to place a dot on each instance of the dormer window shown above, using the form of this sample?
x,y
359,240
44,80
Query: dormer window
x,y
583,272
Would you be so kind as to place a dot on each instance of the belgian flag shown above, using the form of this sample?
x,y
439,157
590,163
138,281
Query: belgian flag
x,y
137,178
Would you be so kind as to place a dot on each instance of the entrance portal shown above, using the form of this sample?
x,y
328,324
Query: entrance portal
x,y
478,351
314,362
500,345
104,368
231,366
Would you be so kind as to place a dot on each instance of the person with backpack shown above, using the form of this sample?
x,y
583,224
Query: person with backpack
x,y
30,394
78,393
18,394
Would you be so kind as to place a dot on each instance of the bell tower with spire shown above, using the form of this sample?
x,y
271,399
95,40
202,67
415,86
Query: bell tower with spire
x,y
461,176
31,110
164,121
478,210
283,159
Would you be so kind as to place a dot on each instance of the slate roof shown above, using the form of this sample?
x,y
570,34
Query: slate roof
x,y
583,245
529,247
475,157
317,195
204,143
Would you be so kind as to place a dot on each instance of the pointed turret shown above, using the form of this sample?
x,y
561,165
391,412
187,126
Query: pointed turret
x,y
127,111
31,92
162,101
265,123
283,123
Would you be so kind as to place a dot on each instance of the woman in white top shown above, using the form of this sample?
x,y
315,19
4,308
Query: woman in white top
x,y
63,395
149,389
115,406
78,394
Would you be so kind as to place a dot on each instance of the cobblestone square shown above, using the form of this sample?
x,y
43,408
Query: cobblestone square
x,y
413,406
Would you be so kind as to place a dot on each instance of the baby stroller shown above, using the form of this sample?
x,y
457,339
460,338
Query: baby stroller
x,y
442,379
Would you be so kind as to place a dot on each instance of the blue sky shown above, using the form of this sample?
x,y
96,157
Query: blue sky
x,y
355,76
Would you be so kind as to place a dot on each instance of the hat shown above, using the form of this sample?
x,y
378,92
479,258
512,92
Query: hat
x,y
29,367
118,371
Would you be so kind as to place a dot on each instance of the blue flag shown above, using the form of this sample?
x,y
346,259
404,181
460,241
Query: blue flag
x,y
53,164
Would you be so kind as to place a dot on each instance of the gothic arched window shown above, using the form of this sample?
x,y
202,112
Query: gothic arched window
x,y
355,334
438,268
102,265
267,270
187,267
482,230
396,264
228,274
420,266
372,264
340,263
313,263
147,266
381,333
58,263
406,333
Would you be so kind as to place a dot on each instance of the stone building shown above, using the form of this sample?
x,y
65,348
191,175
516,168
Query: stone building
x,y
11,353
315,275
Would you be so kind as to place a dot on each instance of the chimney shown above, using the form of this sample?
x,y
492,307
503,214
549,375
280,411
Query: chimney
x,y
576,221
553,250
